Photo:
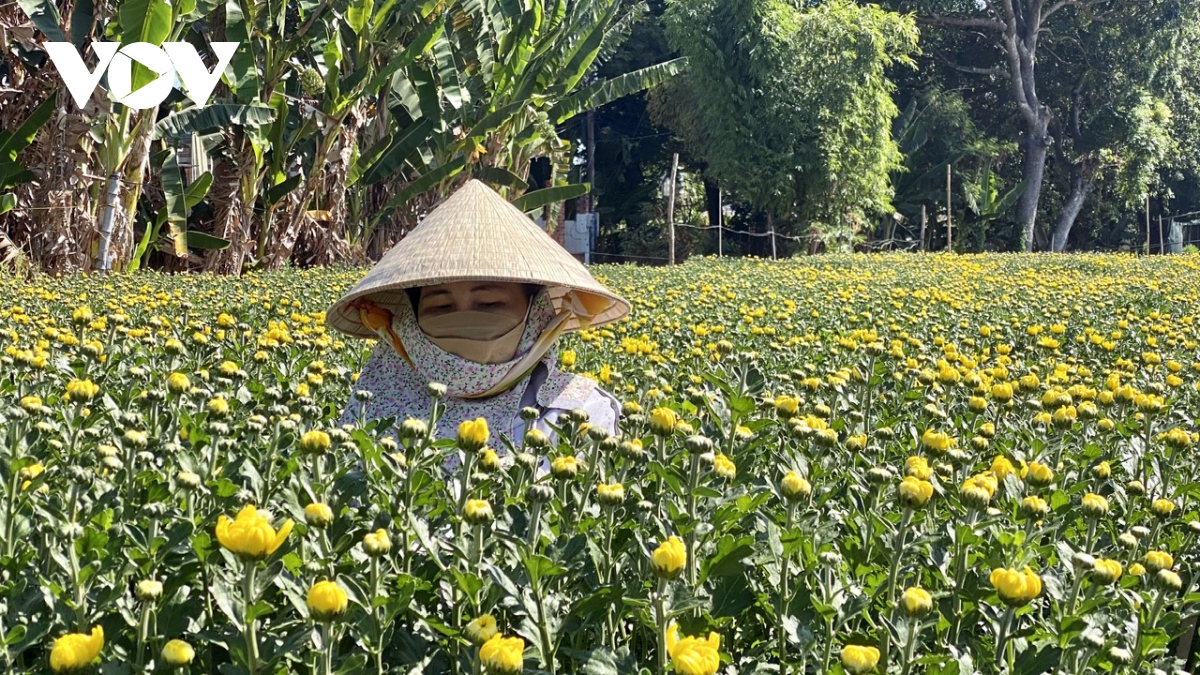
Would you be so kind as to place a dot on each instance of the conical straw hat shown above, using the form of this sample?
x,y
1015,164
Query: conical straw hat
x,y
477,235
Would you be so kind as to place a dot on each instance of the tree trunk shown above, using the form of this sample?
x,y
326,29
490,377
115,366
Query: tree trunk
x,y
1036,145
712,202
1082,185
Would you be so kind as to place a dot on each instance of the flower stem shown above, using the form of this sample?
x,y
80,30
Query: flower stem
x,y
693,480
378,646
905,520
250,630
328,644
547,645
1002,640
660,620
910,645
781,609
1151,619
11,514
143,632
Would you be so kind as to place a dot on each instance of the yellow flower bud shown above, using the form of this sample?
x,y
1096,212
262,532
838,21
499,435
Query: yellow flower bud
x,y
724,467
794,487
377,543
503,655
1162,508
75,651
326,601
914,493
857,659
669,559
318,514
477,512
177,654
81,391
315,442
473,434
1016,587
916,602
610,495
1094,506
663,421
481,629
694,655
1105,571
250,536
1158,560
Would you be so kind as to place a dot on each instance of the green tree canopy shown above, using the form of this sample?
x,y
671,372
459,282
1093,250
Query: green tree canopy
x,y
791,107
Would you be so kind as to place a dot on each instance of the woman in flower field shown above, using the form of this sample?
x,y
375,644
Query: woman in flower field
x,y
473,301
893,465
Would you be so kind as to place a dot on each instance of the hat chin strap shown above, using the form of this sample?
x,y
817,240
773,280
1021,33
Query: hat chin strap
x,y
527,363
379,321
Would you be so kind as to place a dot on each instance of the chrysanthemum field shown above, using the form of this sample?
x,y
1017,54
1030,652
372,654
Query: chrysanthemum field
x,y
905,464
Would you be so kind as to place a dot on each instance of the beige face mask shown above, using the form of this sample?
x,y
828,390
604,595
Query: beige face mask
x,y
482,337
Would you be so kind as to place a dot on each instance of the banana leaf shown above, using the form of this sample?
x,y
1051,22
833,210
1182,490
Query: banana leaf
x,y
532,201
213,117
600,93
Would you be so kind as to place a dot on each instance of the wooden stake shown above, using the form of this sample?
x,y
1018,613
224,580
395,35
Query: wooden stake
x,y
1147,224
671,209
720,225
1162,247
771,228
949,214
924,218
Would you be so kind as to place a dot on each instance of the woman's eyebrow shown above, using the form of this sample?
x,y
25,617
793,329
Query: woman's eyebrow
x,y
487,287
434,294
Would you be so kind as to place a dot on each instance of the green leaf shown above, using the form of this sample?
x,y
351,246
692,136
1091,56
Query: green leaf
x,y
212,118
598,94
586,49
172,185
12,143
144,21
280,190
81,22
196,192
604,661
206,242
8,202
242,74
44,15
358,14
365,160
454,93
420,185
15,635
401,150
502,177
532,201
419,45
493,120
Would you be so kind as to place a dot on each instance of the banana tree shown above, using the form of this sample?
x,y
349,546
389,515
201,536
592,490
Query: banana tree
x,y
988,200
12,172
497,83
342,72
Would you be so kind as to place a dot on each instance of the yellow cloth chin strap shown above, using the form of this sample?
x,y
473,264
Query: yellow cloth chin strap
x,y
575,305
379,321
